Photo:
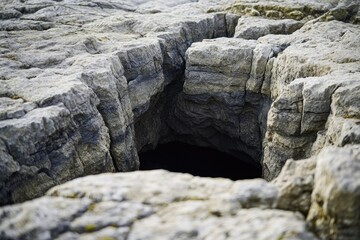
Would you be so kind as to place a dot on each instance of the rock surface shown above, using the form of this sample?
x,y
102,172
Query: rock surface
x,y
75,79
163,205
86,85
335,206
296,183
154,205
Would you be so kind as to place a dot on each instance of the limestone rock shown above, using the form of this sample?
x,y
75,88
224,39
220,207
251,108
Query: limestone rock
x,y
101,66
254,27
40,219
246,224
334,212
295,183
305,9
86,85
214,96
303,91
254,193
153,205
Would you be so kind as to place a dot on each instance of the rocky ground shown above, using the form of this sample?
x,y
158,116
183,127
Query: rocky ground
x,y
85,85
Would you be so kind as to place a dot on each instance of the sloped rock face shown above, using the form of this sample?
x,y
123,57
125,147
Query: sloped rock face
x,y
86,85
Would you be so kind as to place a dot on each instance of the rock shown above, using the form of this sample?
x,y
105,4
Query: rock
x,y
282,8
14,108
295,183
214,95
157,191
105,233
44,163
95,63
254,193
40,219
334,211
302,107
346,10
153,205
254,27
246,224
86,85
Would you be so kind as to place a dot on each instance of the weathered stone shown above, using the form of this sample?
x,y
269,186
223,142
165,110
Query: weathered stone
x,y
304,90
43,218
95,67
254,193
295,183
309,9
153,205
335,208
214,95
85,85
190,223
255,27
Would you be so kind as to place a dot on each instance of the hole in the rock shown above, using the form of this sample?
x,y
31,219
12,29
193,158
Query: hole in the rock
x,y
199,161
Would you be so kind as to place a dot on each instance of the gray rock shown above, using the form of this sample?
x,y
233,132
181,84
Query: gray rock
x,y
153,205
93,60
303,93
214,96
85,85
255,27
105,233
299,10
189,223
295,183
43,218
334,212
254,193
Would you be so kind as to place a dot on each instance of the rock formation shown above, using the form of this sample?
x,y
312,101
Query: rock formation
x,y
86,85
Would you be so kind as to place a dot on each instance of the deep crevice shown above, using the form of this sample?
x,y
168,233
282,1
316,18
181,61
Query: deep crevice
x,y
160,124
199,161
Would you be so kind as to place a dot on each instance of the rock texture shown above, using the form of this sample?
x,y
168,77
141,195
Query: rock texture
x,y
86,85
163,205
77,77
335,206
214,107
154,205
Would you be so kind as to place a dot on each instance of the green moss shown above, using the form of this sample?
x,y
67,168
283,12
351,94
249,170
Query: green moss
x,y
106,238
15,97
339,14
297,15
12,57
90,227
274,14
355,20
276,11
91,207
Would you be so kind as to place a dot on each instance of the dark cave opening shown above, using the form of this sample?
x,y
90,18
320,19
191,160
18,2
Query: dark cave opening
x,y
199,161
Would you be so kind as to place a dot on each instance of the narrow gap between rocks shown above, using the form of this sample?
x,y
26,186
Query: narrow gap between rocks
x,y
199,161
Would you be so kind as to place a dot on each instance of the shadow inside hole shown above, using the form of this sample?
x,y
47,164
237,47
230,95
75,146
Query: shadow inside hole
x,y
199,161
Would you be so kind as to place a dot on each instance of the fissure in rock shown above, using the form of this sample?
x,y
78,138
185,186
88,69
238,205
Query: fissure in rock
x,y
196,108
199,161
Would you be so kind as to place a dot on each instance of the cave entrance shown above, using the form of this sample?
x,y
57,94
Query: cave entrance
x,y
199,161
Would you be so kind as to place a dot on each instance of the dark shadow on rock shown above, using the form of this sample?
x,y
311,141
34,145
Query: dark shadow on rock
x,y
199,161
